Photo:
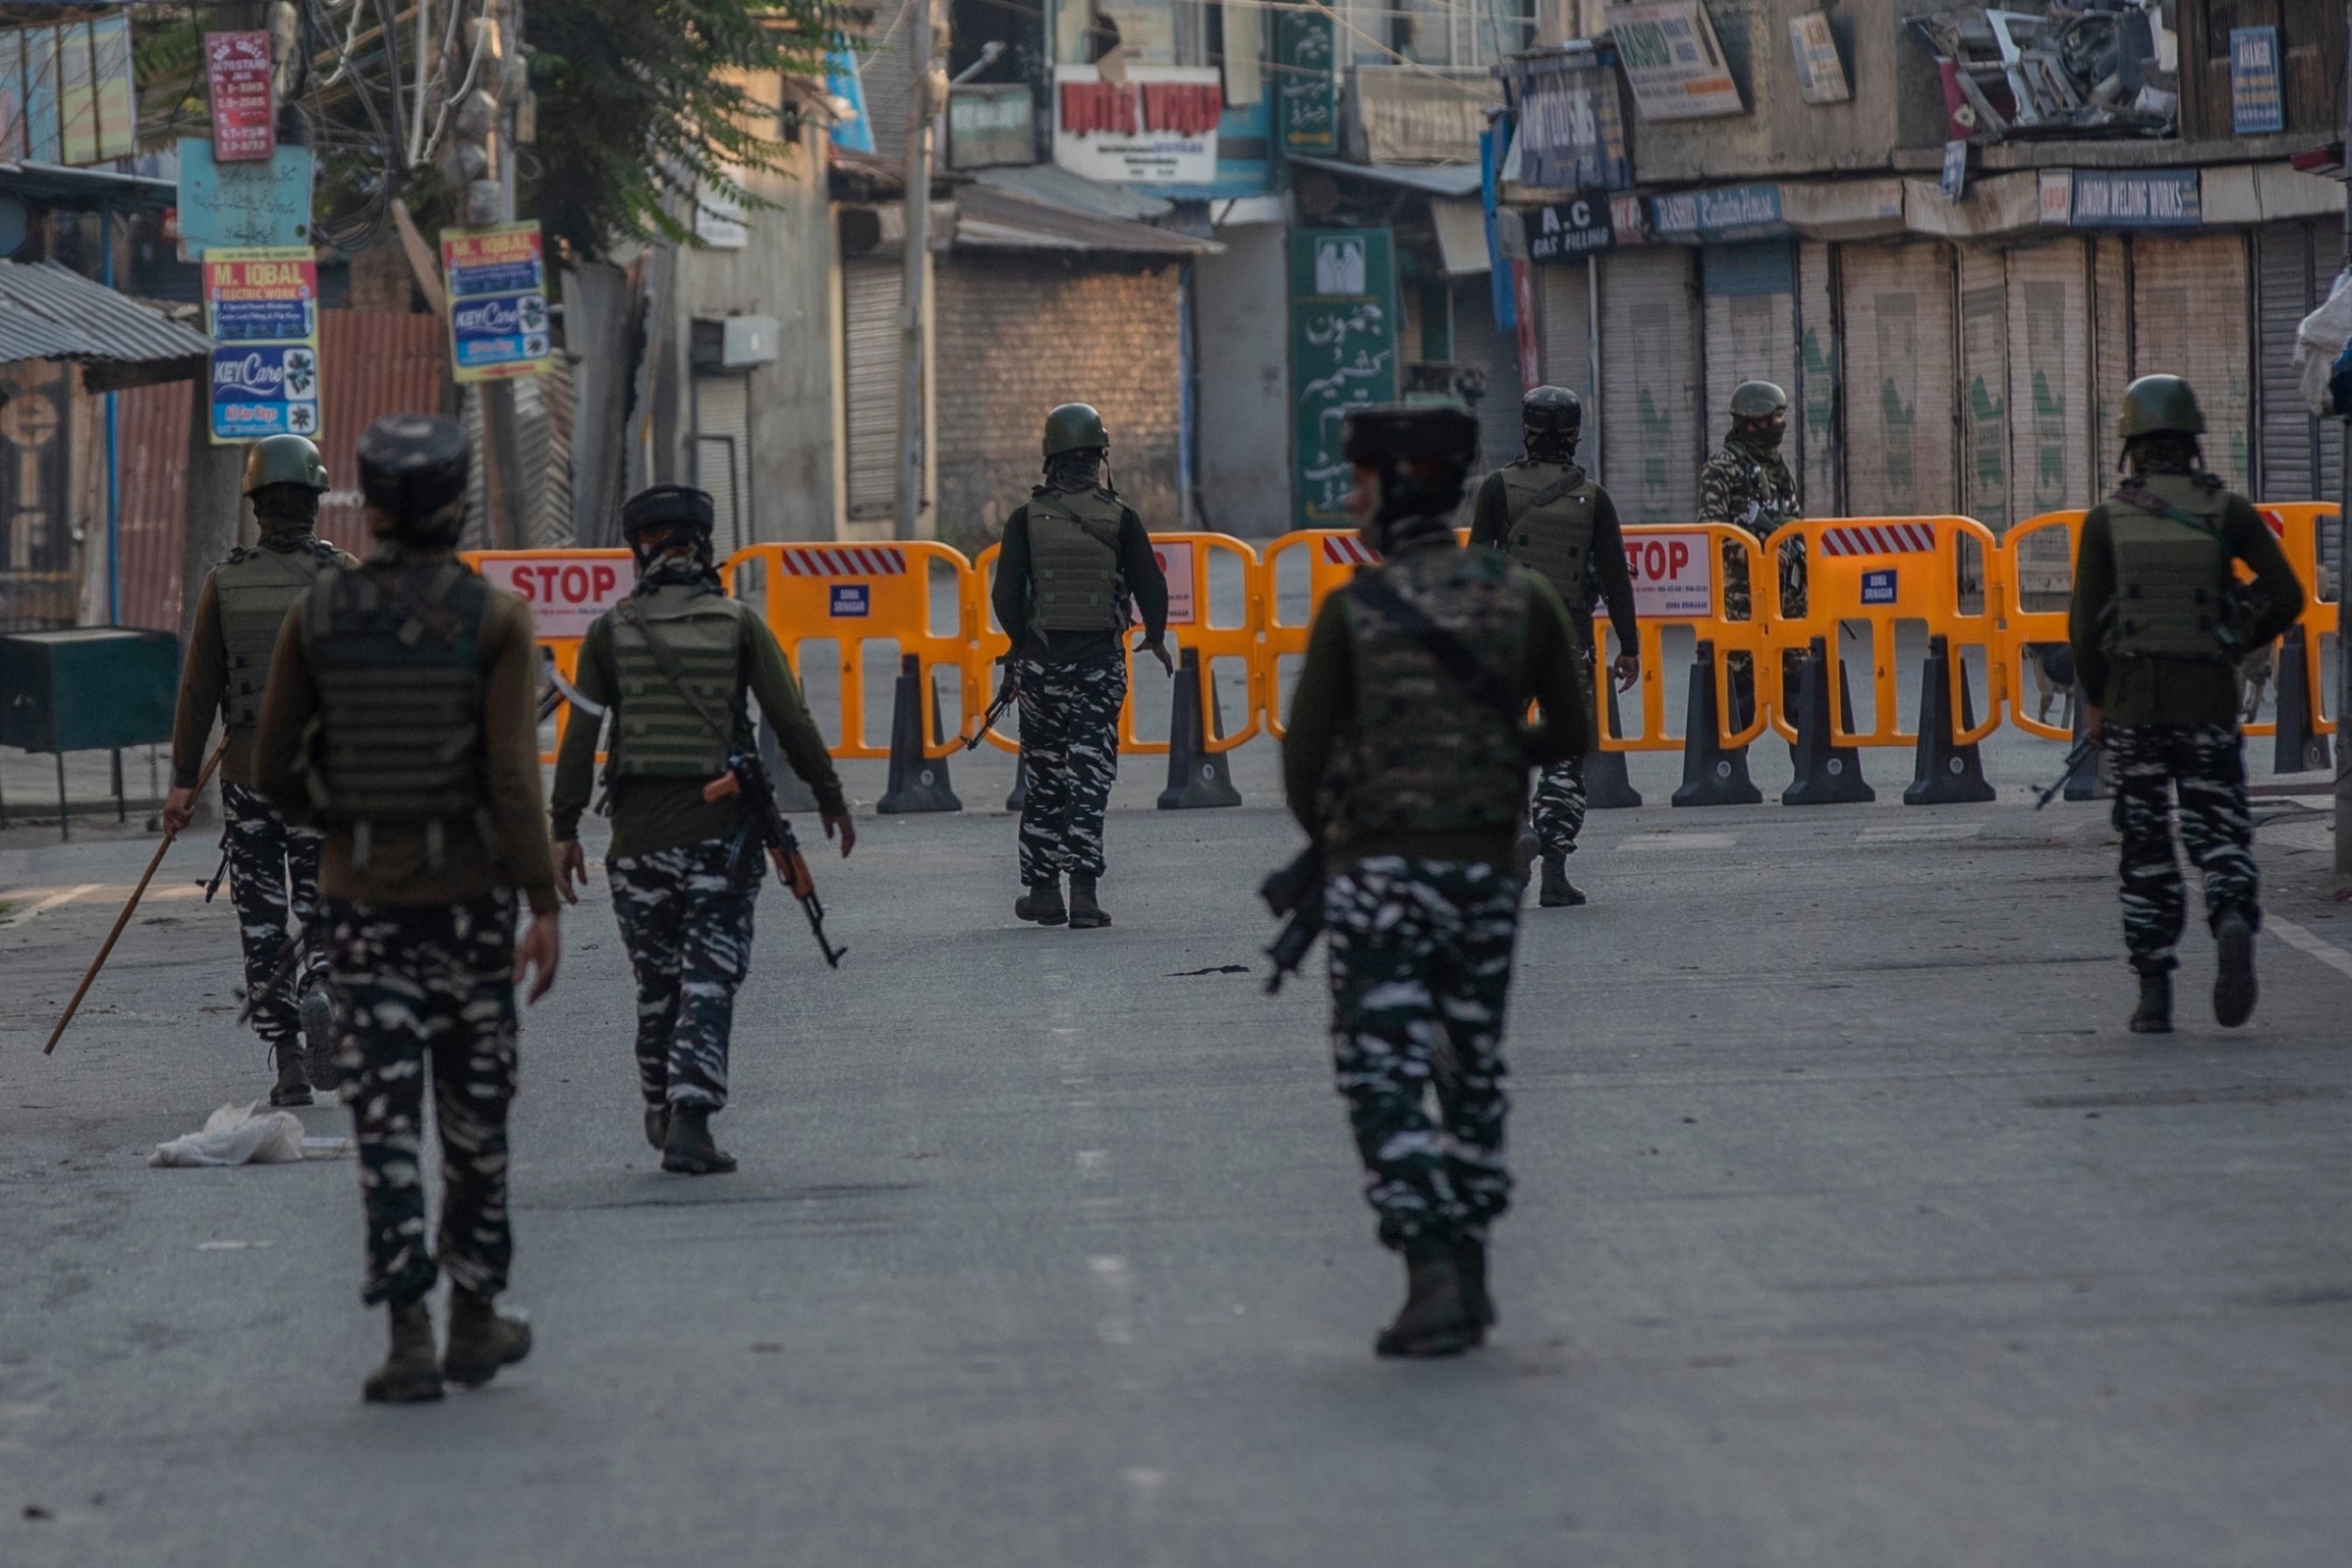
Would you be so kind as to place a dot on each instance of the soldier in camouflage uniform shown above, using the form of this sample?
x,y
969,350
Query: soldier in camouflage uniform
x,y
671,668
1075,557
273,865
401,716
1407,761
1747,483
1547,514
2158,626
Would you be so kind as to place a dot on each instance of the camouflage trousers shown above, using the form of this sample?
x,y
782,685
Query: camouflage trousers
x,y
1070,744
2206,765
686,919
426,990
1420,971
274,884
1558,811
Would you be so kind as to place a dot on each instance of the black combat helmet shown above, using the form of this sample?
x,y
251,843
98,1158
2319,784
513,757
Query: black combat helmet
x,y
284,460
1074,427
2158,404
1552,417
658,518
412,471
1422,450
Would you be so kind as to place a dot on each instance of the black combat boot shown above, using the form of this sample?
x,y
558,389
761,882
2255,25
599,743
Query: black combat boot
x,y
318,1035
688,1149
2153,1015
1525,851
1433,1320
293,1082
1041,903
1084,914
410,1374
658,1127
1469,1264
1558,893
2233,987
482,1339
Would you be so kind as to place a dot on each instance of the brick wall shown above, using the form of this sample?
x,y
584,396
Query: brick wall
x,y
1014,338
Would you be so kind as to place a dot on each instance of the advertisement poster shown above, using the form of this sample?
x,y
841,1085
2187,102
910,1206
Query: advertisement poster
x,y
1673,61
260,308
2256,105
498,301
245,107
1158,127
1343,355
242,204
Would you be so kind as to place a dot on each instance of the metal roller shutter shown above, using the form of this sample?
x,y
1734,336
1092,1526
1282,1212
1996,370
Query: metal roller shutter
x,y
1817,398
1478,343
1750,295
2049,378
1566,329
871,291
1649,356
2110,352
2188,319
2299,457
1900,379
1985,489
723,456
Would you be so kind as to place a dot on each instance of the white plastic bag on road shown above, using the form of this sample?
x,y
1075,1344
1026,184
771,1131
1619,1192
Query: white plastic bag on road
x,y
235,1136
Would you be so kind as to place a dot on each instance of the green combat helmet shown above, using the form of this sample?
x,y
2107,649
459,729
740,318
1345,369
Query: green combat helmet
x,y
1757,400
284,460
1073,427
2156,405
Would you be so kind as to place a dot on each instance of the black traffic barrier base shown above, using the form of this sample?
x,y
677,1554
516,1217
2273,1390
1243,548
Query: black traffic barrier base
x,y
1827,774
1942,773
2091,779
1196,776
793,791
1714,774
2299,751
1607,785
917,782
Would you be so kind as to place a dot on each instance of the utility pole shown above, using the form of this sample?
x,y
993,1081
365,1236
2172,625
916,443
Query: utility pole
x,y
913,292
2343,547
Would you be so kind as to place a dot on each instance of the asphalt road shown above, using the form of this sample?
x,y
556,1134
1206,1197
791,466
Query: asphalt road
x,y
1853,1229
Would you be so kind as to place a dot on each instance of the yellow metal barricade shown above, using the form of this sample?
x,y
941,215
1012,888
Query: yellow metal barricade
x,y
566,590
1883,571
1187,560
2297,526
2036,575
853,594
1333,556
1678,581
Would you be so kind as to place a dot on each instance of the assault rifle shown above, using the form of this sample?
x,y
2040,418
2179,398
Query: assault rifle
x,y
1008,689
2084,750
747,776
1294,893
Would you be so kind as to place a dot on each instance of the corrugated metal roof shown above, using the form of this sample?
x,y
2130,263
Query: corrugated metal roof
x,y
991,219
1058,188
371,363
1436,179
49,312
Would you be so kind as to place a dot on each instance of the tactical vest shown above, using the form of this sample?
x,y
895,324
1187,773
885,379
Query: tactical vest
x,y
1554,540
256,586
1073,562
2173,578
396,651
660,735
1429,756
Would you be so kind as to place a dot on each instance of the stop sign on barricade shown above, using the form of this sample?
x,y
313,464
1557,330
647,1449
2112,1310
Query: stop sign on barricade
x,y
567,590
1674,576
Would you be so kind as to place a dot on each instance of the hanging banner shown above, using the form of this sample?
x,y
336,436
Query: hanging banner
x,y
498,301
1571,131
1343,355
2256,105
245,100
1306,96
260,308
1158,127
1673,61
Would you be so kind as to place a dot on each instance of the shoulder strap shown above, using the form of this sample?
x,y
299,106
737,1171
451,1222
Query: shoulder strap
x,y
630,611
2148,501
1056,507
1454,655
1557,488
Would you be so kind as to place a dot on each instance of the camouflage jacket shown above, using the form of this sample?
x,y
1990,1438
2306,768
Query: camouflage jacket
x,y
1751,488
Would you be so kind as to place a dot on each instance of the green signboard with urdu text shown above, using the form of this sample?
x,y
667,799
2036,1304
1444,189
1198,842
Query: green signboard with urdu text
x,y
1342,354
1306,81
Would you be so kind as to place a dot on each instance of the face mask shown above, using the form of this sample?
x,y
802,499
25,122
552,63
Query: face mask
x,y
1767,437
